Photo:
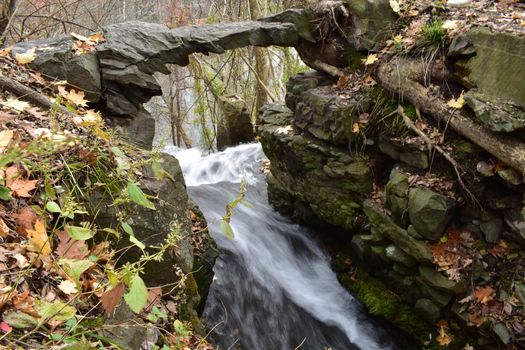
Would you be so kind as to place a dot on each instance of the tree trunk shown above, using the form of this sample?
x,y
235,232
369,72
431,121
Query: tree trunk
x,y
404,77
8,10
261,63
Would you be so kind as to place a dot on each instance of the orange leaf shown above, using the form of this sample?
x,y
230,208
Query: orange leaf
x,y
484,294
18,185
38,241
111,298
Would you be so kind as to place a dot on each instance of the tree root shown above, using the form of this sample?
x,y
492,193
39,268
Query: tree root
x,y
403,77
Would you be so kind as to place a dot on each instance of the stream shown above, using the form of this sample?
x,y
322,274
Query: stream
x,y
273,287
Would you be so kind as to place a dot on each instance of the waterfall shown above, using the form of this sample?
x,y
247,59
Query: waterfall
x,y
273,287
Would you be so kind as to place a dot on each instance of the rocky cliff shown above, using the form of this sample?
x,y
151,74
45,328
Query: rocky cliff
x,y
413,161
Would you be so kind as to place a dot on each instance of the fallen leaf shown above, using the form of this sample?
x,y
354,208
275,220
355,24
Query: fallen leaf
x,y
16,104
5,138
38,240
6,52
21,261
26,57
68,287
484,294
25,218
443,338
97,38
4,230
77,97
343,81
284,130
355,128
394,5
111,298
371,59
69,248
18,185
457,103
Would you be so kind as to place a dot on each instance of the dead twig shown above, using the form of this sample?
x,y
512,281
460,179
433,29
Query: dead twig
x,y
432,146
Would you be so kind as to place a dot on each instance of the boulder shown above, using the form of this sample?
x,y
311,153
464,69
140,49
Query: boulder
x,y
397,255
429,212
328,179
486,57
428,310
396,195
437,280
372,21
327,116
56,58
152,227
492,230
382,224
495,113
236,126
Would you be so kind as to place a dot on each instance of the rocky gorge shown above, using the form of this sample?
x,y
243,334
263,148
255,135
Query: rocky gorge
x,y
404,150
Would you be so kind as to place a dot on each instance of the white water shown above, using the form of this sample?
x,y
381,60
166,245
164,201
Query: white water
x,y
273,286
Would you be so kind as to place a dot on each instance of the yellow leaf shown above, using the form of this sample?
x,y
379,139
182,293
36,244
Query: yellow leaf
x,y
443,338
97,38
371,59
395,6
76,97
457,103
26,57
68,287
38,241
5,137
16,104
355,128
398,39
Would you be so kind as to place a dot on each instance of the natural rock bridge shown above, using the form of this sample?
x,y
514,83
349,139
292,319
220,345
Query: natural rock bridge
x,y
118,75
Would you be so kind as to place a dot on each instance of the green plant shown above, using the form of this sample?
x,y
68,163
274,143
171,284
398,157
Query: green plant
x,y
433,33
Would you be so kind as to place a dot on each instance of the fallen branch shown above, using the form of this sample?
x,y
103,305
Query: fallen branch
x,y
431,145
403,76
31,95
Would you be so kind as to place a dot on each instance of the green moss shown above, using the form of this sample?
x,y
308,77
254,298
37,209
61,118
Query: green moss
x,y
381,302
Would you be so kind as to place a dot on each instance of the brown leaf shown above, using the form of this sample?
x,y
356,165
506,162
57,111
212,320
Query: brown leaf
x,y
4,230
343,81
25,219
38,241
69,248
484,294
18,185
102,251
111,298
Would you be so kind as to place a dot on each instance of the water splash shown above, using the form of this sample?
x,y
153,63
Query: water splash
x,y
273,286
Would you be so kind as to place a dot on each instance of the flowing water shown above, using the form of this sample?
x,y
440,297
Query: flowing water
x,y
273,287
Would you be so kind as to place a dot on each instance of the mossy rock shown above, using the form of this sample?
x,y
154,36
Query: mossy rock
x,y
381,302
